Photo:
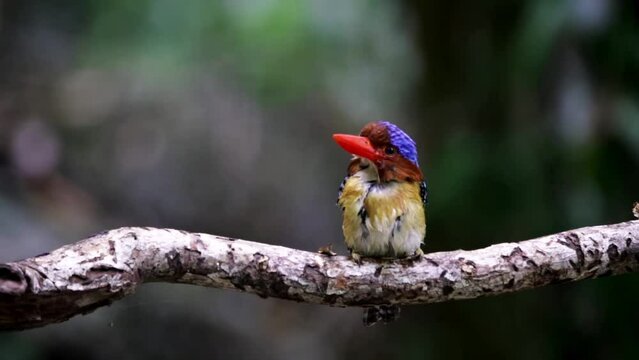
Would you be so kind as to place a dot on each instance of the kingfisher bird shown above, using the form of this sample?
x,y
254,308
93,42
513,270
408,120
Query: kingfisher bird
x,y
383,199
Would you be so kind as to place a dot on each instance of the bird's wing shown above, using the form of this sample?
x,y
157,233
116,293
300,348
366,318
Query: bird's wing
x,y
341,188
423,192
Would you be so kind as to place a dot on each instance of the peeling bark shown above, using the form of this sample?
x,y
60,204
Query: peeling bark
x,y
81,277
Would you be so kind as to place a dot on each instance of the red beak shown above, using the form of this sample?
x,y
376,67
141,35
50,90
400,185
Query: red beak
x,y
357,145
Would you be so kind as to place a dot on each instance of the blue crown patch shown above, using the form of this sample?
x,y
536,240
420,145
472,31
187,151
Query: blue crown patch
x,y
402,142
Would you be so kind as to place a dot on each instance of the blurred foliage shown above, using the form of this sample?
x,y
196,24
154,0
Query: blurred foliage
x,y
216,117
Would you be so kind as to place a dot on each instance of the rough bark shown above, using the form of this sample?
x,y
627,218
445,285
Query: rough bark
x,y
81,277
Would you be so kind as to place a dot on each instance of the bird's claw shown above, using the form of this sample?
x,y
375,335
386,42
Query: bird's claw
x,y
356,257
327,250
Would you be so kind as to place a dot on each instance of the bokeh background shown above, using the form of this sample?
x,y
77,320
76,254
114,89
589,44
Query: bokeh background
x,y
216,116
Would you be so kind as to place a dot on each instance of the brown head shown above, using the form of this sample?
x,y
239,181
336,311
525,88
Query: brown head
x,y
385,145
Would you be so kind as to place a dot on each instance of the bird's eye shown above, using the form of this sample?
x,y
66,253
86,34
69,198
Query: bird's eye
x,y
389,150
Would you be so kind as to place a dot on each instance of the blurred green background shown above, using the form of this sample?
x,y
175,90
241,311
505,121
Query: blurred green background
x,y
216,116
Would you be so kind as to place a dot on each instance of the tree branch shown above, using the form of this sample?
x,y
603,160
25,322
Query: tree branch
x,y
81,277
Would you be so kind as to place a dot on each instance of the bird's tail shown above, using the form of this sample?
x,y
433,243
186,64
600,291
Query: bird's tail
x,y
384,313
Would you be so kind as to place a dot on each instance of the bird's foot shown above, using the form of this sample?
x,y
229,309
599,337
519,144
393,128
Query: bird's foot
x,y
417,255
356,257
327,250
